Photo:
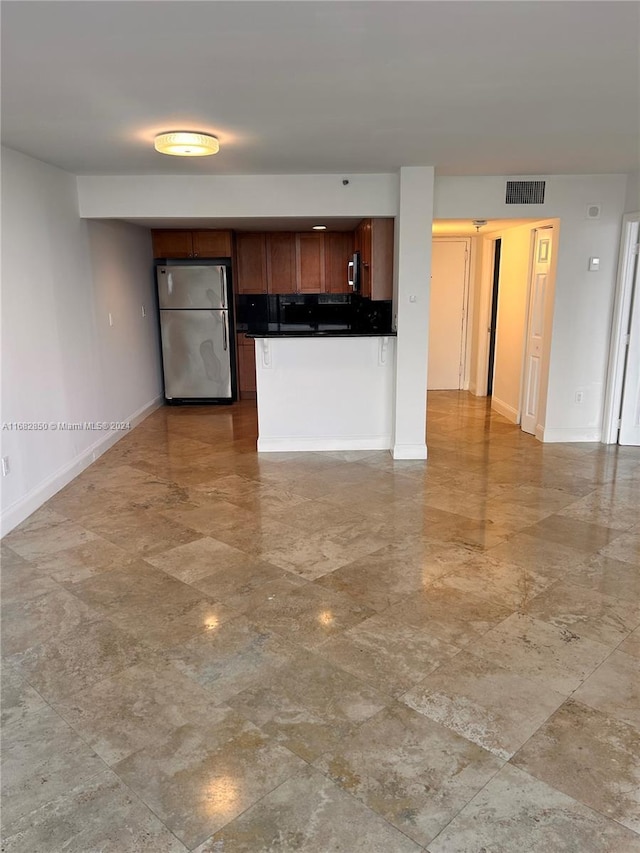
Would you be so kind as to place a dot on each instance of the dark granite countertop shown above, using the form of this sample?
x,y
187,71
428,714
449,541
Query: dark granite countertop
x,y
320,333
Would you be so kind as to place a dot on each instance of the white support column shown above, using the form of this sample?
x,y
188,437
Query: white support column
x,y
412,308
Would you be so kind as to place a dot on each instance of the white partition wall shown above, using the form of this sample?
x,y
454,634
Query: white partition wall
x,y
412,306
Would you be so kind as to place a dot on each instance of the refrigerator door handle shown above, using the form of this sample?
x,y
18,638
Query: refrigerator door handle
x,y
223,286
225,339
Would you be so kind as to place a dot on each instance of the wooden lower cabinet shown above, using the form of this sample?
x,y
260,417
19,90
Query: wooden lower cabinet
x,y
246,349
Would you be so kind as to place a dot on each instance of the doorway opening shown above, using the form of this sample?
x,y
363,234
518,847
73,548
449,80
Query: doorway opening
x,y
494,314
505,317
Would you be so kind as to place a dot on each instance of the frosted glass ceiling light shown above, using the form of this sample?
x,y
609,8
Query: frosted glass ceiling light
x,y
182,144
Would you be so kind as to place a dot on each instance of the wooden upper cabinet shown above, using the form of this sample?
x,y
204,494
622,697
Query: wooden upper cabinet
x,y
281,262
212,244
338,251
191,244
374,241
251,262
310,268
172,244
306,262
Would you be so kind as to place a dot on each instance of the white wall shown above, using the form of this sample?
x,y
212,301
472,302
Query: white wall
x,y
412,288
57,364
129,351
632,200
153,196
583,300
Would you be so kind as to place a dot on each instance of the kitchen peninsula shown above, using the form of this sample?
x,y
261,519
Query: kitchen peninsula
x,y
324,371
324,390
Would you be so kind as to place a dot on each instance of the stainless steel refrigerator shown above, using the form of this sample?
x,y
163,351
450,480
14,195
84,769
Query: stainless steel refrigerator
x,y
198,352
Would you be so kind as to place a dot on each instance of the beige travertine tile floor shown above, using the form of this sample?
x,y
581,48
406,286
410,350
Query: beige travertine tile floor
x,y
208,650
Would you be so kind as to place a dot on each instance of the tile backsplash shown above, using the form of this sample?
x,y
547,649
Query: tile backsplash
x,y
321,311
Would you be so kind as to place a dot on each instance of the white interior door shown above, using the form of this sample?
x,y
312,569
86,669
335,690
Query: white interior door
x,y
538,294
630,412
449,264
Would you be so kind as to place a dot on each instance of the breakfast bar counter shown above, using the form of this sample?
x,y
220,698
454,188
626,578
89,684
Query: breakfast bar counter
x,y
324,389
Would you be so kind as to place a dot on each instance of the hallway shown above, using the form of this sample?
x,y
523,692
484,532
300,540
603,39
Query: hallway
x,y
208,650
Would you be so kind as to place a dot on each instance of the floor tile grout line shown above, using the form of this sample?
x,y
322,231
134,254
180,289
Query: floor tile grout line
x,y
106,767
570,796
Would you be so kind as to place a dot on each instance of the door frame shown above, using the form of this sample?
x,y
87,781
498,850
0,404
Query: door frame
x,y
465,351
486,255
629,238
493,314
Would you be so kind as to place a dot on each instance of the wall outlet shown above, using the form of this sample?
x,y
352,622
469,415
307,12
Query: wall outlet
x,y
6,469
579,397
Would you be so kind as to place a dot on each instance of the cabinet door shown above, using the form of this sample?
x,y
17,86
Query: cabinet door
x,y
363,241
310,272
338,250
212,244
246,367
281,262
381,268
251,255
172,244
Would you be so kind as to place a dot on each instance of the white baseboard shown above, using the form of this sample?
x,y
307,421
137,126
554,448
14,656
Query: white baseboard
x,y
288,444
409,451
563,434
505,410
12,515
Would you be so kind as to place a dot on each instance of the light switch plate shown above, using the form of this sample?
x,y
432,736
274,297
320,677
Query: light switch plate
x,y
594,264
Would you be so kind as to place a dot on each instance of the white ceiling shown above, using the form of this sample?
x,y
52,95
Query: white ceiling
x,y
295,87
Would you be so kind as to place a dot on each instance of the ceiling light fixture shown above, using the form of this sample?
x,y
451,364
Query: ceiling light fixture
x,y
479,223
319,227
183,144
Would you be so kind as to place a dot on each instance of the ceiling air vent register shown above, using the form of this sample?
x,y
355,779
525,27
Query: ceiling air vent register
x,y
525,192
